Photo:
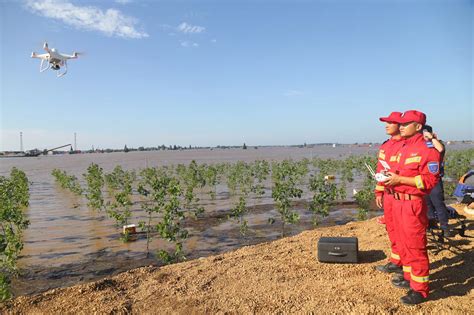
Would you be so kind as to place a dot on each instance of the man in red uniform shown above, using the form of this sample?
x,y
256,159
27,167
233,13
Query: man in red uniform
x,y
388,152
416,173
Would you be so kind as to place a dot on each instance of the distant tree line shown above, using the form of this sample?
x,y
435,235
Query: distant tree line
x,y
164,148
244,146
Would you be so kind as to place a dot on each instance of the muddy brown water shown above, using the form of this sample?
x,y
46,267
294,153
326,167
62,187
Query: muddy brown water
x,y
67,243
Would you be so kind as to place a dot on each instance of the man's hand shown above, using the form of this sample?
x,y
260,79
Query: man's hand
x,y
379,201
393,179
428,136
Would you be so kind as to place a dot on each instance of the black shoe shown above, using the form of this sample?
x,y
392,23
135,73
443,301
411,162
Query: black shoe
x,y
401,283
432,224
398,277
389,268
412,298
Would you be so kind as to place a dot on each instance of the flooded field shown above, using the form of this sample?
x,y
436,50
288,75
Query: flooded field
x,y
67,242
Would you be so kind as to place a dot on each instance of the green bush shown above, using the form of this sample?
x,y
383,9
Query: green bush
x,y
120,186
286,177
325,194
14,198
95,182
66,181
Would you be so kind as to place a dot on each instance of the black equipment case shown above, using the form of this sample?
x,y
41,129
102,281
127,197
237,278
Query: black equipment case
x,y
338,249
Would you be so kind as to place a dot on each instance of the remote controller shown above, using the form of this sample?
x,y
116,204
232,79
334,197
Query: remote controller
x,y
381,177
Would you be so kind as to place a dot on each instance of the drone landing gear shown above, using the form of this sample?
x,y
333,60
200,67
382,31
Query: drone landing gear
x,y
45,68
60,74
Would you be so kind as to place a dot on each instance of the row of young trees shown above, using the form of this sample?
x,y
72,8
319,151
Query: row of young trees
x,y
170,194
14,198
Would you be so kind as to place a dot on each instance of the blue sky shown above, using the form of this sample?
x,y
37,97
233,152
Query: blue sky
x,y
214,72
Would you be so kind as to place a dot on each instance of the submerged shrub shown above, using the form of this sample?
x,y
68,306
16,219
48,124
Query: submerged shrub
x,y
95,182
120,184
286,176
325,194
66,181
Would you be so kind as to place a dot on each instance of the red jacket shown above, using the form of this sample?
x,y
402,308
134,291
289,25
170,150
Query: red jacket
x,y
419,160
388,152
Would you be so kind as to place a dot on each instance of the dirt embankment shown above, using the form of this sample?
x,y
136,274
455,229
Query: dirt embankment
x,y
280,276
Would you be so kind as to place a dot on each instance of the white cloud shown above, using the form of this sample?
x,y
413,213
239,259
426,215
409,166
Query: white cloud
x,y
110,22
213,40
293,93
190,29
123,1
187,44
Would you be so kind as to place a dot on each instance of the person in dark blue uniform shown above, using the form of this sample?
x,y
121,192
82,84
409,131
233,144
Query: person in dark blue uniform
x,y
435,200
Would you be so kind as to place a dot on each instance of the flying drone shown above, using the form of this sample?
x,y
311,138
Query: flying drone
x,y
54,60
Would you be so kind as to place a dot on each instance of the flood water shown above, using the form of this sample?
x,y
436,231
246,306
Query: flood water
x,y
67,243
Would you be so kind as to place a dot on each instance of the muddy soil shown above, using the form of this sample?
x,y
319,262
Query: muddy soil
x,y
278,276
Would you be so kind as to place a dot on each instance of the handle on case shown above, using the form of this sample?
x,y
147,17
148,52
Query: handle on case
x,y
337,254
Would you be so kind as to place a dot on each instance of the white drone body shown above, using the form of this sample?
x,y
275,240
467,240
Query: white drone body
x,y
54,59
380,177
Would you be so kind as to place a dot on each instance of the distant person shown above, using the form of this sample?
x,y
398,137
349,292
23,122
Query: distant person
x,y
388,152
435,200
414,176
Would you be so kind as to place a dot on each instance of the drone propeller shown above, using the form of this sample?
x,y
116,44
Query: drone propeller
x,y
43,44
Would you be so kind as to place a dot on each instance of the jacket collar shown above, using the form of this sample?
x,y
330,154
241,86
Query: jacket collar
x,y
397,140
413,138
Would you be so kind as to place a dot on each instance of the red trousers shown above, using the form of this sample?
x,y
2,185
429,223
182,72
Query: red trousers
x,y
388,201
411,220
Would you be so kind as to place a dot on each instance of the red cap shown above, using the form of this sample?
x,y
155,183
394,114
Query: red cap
x,y
413,115
394,117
